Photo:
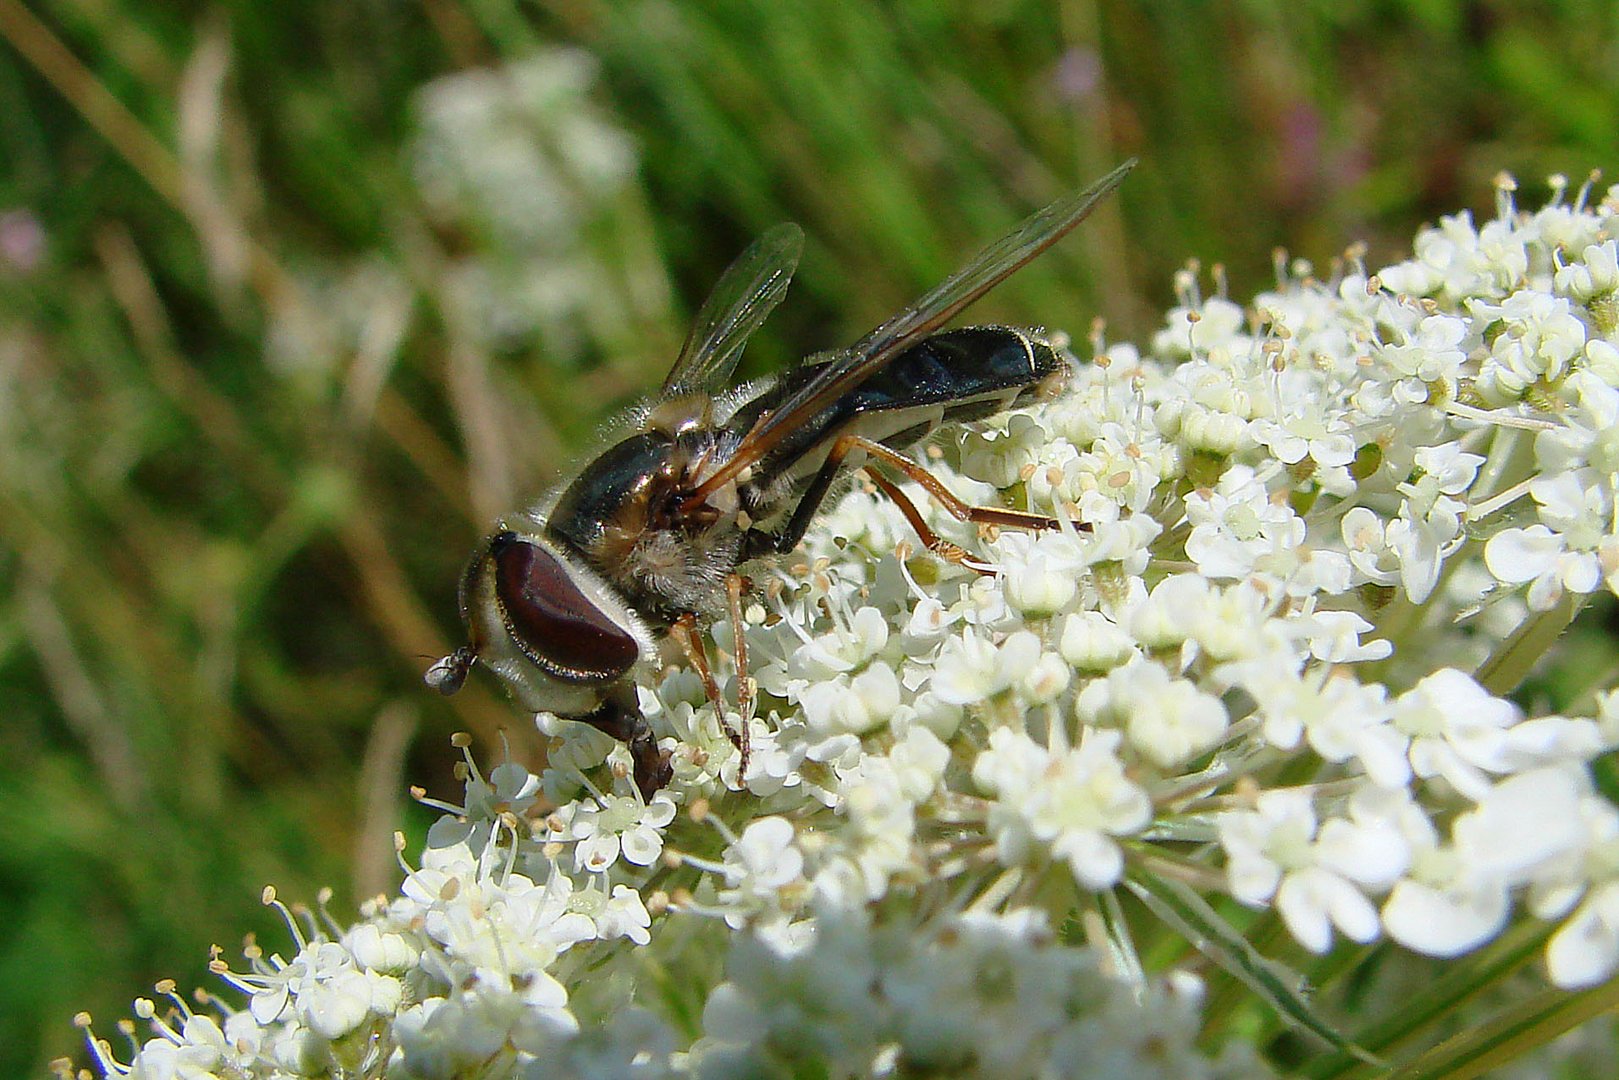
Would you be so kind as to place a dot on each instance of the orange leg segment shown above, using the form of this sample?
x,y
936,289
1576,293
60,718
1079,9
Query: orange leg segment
x,y
953,504
685,632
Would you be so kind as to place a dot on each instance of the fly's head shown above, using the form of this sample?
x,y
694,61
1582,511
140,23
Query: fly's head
x,y
556,634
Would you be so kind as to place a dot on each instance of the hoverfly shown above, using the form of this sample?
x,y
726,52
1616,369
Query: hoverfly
x,y
567,601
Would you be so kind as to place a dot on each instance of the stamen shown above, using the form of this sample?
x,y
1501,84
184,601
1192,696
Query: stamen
x,y
268,899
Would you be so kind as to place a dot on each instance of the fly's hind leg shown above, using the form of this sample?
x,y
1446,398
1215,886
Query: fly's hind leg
x,y
954,505
935,543
685,632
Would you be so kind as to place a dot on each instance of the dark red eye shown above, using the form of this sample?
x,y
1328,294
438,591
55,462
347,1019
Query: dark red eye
x,y
554,623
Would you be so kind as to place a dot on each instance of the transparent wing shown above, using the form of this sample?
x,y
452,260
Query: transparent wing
x,y
868,355
747,292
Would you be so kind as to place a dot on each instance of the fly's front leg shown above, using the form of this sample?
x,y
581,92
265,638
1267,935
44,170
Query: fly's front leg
x,y
735,585
652,766
685,632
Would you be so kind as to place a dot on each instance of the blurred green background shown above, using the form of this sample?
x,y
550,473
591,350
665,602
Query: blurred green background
x,y
296,297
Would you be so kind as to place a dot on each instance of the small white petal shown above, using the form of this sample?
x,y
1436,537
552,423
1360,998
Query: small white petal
x,y
1523,823
642,845
1095,859
1374,854
1585,950
1443,923
1253,881
1519,555
1304,914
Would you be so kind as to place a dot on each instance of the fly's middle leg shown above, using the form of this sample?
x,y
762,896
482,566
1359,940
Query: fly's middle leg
x,y
685,632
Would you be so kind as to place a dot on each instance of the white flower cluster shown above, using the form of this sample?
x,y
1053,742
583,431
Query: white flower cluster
x,y
535,181
978,995
1305,549
521,160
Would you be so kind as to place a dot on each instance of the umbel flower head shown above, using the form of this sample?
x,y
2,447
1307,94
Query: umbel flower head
x,y
1314,544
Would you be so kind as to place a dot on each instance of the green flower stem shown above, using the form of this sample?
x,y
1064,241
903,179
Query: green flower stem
x,y
1186,911
1514,657
1397,620
1121,943
1480,1050
1445,996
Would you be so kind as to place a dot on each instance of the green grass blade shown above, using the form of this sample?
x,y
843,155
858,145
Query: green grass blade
x,y
1189,914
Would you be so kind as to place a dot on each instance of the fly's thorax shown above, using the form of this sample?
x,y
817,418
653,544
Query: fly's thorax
x,y
668,558
635,485
558,634
628,517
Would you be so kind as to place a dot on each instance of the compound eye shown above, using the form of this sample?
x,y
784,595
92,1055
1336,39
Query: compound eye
x,y
551,620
